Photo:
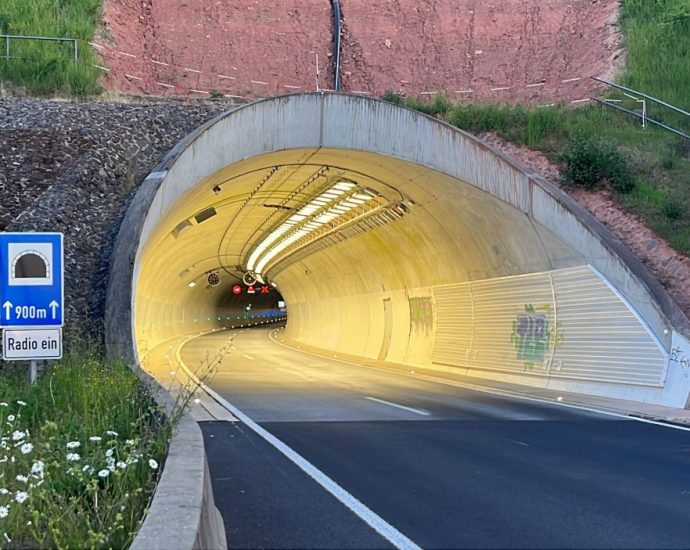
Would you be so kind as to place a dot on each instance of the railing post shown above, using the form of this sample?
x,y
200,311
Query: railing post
x,y
7,48
76,52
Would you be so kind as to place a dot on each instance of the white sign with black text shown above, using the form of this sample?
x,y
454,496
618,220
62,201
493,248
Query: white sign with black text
x,y
29,344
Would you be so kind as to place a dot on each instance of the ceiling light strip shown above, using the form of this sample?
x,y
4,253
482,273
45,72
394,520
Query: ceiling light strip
x,y
317,211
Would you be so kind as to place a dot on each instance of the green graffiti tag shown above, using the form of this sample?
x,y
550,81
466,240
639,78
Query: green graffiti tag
x,y
532,335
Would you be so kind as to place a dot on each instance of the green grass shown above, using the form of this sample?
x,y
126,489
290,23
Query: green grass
x,y
47,67
657,36
657,39
81,441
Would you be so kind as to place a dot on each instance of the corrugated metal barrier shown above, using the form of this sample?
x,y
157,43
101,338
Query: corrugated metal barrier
x,y
567,323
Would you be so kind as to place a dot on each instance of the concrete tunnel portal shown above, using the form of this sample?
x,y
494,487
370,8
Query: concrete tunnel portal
x,y
394,237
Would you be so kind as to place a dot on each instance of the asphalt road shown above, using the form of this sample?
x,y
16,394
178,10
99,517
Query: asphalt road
x,y
448,467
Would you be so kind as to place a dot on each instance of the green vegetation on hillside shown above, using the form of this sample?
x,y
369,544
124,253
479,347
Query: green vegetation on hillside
x,y
48,67
80,454
648,169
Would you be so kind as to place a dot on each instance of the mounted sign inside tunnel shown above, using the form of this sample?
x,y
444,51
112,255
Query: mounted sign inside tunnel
x,y
347,203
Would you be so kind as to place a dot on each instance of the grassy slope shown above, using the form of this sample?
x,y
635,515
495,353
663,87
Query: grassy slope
x,y
657,36
47,67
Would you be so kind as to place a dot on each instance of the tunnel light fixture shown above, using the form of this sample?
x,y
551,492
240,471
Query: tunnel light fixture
x,y
191,284
337,201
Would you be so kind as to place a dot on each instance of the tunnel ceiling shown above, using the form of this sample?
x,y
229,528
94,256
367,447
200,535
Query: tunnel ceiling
x,y
412,225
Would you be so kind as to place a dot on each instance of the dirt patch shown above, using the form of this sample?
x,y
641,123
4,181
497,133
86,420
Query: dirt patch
x,y
238,48
671,268
503,50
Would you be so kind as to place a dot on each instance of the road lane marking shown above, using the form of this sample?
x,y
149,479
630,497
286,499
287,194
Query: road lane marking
x,y
248,356
362,511
492,391
403,407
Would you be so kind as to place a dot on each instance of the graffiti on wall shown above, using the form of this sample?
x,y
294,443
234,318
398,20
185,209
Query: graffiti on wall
x,y
533,335
421,315
680,353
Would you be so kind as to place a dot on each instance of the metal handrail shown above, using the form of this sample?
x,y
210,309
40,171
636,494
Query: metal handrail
x,y
8,37
638,115
651,98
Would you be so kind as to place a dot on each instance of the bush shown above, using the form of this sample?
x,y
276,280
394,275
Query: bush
x,y
440,105
582,162
673,207
586,162
393,97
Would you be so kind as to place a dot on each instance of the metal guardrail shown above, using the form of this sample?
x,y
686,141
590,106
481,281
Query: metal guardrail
x,y
643,116
9,37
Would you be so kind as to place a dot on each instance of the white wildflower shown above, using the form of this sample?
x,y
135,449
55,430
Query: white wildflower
x,y
4,512
72,457
3,491
73,445
3,404
20,496
21,403
28,522
104,473
17,435
88,469
27,448
3,445
10,417
95,438
8,539
109,453
112,433
129,442
3,459
153,464
22,478
37,467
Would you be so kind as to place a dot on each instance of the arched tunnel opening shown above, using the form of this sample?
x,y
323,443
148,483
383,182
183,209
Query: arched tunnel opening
x,y
389,236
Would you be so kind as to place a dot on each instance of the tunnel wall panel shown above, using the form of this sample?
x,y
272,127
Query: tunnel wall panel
x,y
566,323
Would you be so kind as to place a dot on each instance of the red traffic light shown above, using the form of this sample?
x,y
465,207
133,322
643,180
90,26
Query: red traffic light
x,y
236,289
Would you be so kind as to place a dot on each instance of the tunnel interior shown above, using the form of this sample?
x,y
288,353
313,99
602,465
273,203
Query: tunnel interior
x,y
383,259
389,236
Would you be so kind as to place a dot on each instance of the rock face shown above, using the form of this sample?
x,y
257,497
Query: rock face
x,y
73,167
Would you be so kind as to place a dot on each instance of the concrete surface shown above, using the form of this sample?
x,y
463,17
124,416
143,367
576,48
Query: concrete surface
x,y
182,513
474,216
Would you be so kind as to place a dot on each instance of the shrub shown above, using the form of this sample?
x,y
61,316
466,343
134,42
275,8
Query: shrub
x,y
440,105
393,97
587,161
673,207
582,162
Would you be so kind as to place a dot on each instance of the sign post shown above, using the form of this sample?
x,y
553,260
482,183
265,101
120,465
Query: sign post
x,y
31,296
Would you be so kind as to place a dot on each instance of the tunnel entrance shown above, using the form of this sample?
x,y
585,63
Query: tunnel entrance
x,y
390,236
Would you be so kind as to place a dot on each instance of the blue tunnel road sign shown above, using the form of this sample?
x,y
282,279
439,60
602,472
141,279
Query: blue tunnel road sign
x,y
31,280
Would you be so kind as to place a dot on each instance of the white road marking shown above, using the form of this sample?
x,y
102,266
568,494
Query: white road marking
x,y
248,356
403,407
372,519
492,391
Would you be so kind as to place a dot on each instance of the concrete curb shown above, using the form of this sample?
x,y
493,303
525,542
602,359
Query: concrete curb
x,y
182,514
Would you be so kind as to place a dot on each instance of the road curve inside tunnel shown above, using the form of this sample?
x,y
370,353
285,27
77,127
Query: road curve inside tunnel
x,y
450,254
